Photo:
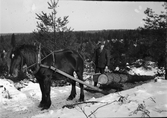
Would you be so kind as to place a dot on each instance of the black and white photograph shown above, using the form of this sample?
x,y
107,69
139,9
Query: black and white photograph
x,y
83,59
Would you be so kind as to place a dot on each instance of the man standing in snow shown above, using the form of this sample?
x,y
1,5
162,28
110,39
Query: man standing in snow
x,y
101,59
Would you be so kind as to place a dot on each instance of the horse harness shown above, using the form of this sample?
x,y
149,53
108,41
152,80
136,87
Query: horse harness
x,y
27,69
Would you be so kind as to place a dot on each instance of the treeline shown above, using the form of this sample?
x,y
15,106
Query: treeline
x,y
125,46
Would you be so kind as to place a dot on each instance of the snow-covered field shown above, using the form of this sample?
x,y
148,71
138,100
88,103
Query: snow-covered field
x,y
146,100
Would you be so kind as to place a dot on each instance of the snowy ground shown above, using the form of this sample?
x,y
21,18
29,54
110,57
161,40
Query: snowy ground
x,y
149,99
25,103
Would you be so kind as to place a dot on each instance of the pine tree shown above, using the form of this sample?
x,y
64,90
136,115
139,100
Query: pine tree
x,y
52,31
157,23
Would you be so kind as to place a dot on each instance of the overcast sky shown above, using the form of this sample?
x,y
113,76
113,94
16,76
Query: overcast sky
x,y
18,16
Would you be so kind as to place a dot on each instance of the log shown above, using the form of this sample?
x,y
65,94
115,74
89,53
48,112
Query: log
x,y
110,78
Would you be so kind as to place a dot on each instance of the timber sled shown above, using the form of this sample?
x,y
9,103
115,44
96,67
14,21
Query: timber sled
x,y
105,82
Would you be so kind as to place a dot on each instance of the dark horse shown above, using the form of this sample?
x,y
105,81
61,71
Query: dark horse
x,y
66,60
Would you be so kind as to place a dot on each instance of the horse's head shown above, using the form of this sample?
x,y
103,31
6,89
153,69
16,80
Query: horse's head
x,y
5,60
16,63
21,56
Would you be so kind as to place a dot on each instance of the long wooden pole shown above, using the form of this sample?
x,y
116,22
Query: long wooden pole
x,y
71,77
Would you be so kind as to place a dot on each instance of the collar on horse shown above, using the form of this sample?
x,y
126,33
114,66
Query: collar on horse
x,y
38,64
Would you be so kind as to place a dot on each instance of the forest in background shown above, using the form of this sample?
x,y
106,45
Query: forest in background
x,y
125,46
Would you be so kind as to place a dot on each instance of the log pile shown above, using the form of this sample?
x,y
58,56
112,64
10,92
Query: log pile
x,y
109,79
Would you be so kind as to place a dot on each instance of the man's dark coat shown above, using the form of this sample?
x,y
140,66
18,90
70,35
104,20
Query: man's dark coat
x,y
101,58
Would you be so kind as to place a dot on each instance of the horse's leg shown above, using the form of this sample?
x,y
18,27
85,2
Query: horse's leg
x,y
81,92
73,90
43,94
80,76
41,84
47,88
45,83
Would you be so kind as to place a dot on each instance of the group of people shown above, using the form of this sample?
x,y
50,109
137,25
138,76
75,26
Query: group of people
x,y
101,59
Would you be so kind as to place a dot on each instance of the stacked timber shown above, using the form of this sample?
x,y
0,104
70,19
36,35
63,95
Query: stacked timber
x,y
109,78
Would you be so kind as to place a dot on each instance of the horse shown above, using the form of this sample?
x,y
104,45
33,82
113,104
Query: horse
x,y
66,60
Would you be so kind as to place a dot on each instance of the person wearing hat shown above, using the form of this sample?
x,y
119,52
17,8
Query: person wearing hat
x,y
101,59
